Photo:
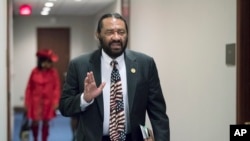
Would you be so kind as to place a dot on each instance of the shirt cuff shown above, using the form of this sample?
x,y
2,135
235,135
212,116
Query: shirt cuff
x,y
84,104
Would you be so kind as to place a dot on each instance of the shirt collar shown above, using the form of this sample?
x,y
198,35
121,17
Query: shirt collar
x,y
108,59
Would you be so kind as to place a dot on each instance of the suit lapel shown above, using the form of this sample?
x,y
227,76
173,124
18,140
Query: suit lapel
x,y
132,70
95,66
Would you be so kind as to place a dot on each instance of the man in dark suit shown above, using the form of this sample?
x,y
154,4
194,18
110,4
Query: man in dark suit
x,y
86,92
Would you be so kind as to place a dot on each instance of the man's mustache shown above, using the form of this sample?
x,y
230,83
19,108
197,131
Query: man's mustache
x,y
116,42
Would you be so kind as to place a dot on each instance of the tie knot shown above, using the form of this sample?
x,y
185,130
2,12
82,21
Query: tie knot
x,y
113,63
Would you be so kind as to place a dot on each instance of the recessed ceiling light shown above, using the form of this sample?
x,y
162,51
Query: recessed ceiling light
x,y
49,4
44,13
78,0
46,8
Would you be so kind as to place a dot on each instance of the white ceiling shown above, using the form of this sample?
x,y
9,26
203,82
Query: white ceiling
x,y
64,7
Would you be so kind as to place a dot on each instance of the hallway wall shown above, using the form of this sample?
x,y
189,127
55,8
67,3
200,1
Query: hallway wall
x,y
25,45
187,38
3,70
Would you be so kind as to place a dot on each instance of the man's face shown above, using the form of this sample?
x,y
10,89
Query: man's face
x,y
113,37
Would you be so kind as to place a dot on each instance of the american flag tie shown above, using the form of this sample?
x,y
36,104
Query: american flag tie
x,y
117,117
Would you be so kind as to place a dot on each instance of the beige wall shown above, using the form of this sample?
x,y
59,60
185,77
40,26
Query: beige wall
x,y
187,39
3,73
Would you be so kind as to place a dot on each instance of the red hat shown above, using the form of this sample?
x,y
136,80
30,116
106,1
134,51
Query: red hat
x,y
47,53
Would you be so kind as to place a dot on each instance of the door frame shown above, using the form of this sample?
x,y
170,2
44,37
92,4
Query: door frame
x,y
243,62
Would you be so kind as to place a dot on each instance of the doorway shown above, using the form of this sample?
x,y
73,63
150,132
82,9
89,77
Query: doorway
x,y
243,62
57,39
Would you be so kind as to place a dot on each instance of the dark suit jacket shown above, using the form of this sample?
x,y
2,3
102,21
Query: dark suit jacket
x,y
144,94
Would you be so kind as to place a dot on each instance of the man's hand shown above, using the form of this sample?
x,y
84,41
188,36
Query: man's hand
x,y
91,91
151,136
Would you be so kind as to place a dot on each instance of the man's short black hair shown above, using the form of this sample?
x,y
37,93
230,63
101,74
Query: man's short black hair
x,y
108,15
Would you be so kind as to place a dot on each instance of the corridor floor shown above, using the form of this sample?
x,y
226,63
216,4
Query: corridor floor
x,y
59,128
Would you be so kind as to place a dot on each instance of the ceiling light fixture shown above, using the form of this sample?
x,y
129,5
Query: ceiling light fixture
x,y
44,13
46,8
25,10
49,4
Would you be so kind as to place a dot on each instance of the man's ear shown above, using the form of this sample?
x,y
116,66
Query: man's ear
x,y
97,35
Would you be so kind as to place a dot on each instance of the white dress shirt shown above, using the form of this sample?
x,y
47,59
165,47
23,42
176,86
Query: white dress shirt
x,y
106,70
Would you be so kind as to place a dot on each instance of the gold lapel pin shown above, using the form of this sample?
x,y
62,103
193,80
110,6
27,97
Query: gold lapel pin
x,y
133,70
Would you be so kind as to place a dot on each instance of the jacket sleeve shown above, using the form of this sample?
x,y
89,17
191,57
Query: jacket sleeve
x,y
156,107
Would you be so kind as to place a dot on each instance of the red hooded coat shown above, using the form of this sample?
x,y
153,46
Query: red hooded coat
x,y
42,94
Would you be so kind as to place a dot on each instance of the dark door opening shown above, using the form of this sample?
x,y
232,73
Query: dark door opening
x,y
243,62
57,39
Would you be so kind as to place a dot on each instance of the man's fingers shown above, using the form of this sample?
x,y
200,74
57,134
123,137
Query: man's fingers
x,y
151,136
91,77
102,85
148,139
90,86
86,80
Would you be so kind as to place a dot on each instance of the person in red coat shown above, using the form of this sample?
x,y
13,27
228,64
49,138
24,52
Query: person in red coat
x,y
42,93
